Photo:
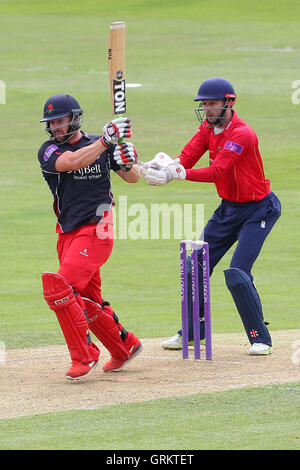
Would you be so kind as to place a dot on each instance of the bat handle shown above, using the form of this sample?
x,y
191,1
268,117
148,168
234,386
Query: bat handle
x,y
120,141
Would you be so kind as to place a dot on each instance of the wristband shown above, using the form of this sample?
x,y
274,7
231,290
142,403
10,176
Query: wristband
x,y
104,142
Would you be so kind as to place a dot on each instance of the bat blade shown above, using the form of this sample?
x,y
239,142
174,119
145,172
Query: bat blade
x,y
116,67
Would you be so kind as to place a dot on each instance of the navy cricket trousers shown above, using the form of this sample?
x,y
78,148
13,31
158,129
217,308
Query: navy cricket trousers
x,y
248,224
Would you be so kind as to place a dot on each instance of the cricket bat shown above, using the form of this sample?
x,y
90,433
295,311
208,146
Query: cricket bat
x,y
116,67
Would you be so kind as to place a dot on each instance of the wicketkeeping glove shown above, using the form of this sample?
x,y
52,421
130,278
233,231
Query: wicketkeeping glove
x,y
160,160
125,155
160,176
116,130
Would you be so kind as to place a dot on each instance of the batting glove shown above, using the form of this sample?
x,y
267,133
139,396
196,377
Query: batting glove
x,y
116,130
125,155
157,176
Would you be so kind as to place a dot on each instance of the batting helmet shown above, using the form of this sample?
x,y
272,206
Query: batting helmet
x,y
61,105
215,88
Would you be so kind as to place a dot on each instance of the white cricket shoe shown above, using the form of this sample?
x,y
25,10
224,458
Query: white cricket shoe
x,y
175,342
260,349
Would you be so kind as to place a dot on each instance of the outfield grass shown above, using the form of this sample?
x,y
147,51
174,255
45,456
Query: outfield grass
x,y
261,418
169,56
172,46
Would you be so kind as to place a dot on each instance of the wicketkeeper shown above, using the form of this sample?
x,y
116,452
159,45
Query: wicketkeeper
x,y
77,168
248,210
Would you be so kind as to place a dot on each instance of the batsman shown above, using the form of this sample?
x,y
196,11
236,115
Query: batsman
x,y
246,214
76,167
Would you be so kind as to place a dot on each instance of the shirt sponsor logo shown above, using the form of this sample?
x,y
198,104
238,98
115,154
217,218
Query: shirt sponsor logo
x,y
88,172
49,151
234,147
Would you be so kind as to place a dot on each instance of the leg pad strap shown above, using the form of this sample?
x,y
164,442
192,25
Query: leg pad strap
x,y
104,323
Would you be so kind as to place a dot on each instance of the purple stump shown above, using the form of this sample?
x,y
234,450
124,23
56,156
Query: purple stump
x,y
206,297
184,300
195,298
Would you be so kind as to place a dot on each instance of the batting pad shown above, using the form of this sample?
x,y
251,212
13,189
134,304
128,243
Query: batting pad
x,y
104,323
248,304
61,299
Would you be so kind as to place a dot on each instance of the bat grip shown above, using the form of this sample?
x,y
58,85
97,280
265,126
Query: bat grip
x,y
120,141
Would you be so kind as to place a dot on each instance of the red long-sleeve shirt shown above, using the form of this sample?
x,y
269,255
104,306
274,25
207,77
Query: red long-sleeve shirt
x,y
235,164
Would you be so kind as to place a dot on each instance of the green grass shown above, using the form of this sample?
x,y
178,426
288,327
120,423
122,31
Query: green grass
x,y
263,418
172,46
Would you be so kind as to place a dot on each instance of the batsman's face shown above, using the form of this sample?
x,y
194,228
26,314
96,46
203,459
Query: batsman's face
x,y
60,127
212,109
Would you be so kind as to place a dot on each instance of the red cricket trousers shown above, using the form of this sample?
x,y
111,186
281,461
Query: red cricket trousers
x,y
81,253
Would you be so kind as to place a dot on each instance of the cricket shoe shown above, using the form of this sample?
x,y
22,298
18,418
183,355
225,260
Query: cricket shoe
x,y
260,349
176,342
114,365
79,370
